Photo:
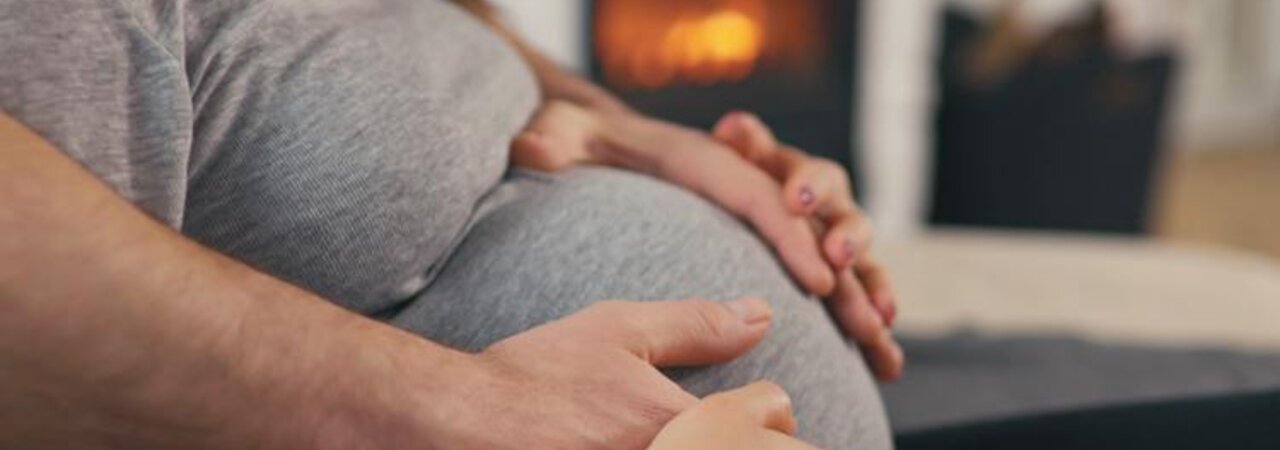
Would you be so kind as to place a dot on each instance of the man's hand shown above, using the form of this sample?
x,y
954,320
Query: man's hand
x,y
756,417
801,205
589,381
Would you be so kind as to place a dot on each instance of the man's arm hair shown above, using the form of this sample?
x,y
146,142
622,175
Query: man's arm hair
x,y
116,332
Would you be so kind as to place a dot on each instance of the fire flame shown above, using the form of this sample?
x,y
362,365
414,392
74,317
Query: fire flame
x,y
713,45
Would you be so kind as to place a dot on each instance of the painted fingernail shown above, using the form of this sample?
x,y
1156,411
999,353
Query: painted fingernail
x,y
750,310
850,248
806,196
889,312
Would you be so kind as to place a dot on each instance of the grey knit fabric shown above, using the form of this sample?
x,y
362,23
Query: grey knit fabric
x,y
339,144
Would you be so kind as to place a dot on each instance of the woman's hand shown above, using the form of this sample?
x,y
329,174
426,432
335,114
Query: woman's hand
x,y
756,417
803,206
820,189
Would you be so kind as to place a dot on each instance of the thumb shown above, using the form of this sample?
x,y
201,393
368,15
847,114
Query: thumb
x,y
746,133
684,333
534,150
556,138
762,403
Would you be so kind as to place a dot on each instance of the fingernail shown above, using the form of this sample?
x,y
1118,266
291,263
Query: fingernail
x,y
806,196
849,248
889,312
898,359
751,310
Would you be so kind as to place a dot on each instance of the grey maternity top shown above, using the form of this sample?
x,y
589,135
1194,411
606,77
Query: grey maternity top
x,y
358,148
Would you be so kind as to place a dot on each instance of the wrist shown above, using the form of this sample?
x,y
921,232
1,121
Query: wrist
x,y
290,371
376,388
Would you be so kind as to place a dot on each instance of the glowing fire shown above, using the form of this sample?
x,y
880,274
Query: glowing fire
x,y
695,42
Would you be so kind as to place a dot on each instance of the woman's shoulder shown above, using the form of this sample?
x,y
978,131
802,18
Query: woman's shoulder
x,y
100,80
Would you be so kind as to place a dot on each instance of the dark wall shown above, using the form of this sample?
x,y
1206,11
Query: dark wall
x,y
814,113
1070,140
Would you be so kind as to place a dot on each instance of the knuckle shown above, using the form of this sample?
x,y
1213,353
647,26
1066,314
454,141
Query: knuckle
x,y
829,167
621,317
869,329
832,169
710,319
834,172
771,389
721,404
656,411
858,227
608,307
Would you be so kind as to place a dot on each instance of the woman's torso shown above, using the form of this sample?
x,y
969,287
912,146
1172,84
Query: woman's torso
x,y
340,144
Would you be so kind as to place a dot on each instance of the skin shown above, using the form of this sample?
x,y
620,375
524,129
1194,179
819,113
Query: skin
x,y
118,333
753,417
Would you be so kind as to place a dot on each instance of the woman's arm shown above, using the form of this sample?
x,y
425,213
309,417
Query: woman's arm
x,y
555,82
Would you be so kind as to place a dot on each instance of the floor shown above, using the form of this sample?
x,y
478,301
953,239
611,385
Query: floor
x,y
1227,196
1043,324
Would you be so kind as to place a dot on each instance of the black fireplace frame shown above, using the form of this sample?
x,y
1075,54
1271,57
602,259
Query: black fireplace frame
x,y
829,130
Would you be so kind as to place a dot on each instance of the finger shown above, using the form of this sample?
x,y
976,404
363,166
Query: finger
x,y
796,244
879,288
847,238
557,137
750,137
747,192
532,150
707,167
746,134
681,333
762,403
852,309
813,185
810,184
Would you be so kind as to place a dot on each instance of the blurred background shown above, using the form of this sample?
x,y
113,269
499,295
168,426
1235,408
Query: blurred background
x,y
1079,199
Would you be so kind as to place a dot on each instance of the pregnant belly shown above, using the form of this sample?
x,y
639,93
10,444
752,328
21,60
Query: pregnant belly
x,y
553,245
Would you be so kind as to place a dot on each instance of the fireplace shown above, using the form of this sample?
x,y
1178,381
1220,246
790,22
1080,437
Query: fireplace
x,y
691,61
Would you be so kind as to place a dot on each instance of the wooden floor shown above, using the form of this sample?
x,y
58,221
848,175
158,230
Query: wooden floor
x,y
1229,197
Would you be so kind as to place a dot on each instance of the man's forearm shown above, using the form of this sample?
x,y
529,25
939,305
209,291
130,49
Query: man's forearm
x,y
116,332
